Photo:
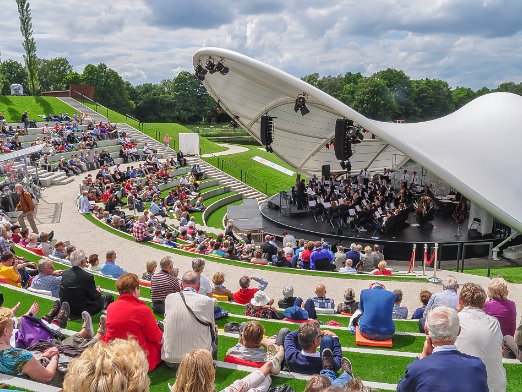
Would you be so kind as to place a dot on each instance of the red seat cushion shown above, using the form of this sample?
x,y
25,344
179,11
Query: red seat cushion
x,y
297,321
360,340
243,362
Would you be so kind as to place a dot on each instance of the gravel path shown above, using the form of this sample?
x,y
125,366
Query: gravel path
x,y
132,256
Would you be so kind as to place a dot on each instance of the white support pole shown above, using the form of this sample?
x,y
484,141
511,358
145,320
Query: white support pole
x,y
434,278
424,260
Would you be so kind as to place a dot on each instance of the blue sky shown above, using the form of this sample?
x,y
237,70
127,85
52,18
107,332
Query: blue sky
x,y
470,43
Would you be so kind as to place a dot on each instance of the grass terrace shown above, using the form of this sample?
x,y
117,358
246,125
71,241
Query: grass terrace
x,y
511,274
13,106
215,219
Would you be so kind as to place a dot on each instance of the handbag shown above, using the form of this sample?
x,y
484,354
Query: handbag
x,y
33,330
213,335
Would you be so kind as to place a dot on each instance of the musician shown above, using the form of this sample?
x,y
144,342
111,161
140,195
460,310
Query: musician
x,y
414,180
405,179
425,211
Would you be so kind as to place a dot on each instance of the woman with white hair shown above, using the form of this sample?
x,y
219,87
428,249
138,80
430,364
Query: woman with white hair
x,y
498,306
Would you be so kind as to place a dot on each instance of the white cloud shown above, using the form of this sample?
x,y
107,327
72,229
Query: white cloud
x,y
466,42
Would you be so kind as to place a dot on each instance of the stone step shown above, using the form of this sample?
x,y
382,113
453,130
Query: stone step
x,y
63,181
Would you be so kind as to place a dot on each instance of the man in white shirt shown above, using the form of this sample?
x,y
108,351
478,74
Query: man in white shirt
x,y
205,288
289,238
480,335
182,331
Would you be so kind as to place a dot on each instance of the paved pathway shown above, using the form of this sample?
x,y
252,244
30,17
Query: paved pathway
x,y
132,256
231,149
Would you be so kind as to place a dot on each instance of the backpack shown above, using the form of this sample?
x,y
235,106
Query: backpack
x,y
32,330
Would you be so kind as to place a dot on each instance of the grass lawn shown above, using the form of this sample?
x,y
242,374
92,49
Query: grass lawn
x,y
13,106
511,274
277,181
215,219
199,214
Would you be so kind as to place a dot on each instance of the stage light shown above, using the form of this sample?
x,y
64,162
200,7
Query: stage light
x,y
300,105
267,130
221,68
200,72
210,66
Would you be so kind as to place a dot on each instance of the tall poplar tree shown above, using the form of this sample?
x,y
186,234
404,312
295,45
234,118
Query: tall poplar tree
x,y
31,61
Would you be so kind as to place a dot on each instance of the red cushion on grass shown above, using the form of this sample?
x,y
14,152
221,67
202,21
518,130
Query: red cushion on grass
x,y
34,250
243,362
259,262
297,321
360,340
347,314
145,283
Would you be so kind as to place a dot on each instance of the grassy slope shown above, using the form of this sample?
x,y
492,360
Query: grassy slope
x,y
511,274
215,219
12,107
276,180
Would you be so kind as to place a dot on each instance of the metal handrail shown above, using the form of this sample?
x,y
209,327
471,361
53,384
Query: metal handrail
x,y
248,174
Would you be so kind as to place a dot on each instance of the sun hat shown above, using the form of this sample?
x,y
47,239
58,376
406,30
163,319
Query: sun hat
x,y
260,298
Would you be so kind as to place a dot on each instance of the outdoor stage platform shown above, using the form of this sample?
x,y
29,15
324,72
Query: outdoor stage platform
x,y
271,218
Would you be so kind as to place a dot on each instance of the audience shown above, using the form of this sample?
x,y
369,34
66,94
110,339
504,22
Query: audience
x,y
348,268
245,293
151,268
47,279
288,299
261,307
321,301
219,289
381,269
500,307
162,284
110,268
425,296
349,306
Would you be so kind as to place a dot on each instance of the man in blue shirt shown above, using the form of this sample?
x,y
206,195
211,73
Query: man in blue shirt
x,y
47,278
354,255
376,306
441,366
110,268
321,259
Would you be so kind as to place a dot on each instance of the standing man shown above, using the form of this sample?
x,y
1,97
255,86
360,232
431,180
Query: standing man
x,y
27,207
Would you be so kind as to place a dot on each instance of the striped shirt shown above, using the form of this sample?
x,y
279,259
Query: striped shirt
x,y
47,282
161,285
323,303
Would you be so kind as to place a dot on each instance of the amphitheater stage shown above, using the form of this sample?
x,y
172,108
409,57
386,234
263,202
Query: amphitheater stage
x,y
278,216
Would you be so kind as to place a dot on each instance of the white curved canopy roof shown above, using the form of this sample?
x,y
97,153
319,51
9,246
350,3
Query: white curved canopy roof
x,y
477,149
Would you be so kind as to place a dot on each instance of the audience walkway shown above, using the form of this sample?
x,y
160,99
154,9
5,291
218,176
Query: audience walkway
x,y
72,226
231,149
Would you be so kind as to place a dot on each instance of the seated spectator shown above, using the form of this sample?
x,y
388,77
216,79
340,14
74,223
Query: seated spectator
x,y
513,345
301,348
500,307
197,373
399,312
321,259
425,296
288,299
258,257
374,316
79,289
47,278
83,204
169,240
187,313
33,241
219,289
162,284
253,347
439,355
448,297
381,269
350,305
198,266
94,262
59,250
261,307
354,255
19,362
45,244
139,230
480,335
321,301
151,268
348,268
110,268
130,317
9,269
340,257
304,256
245,293
119,366
374,258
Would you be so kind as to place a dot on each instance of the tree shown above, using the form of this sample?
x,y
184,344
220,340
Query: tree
x,y
53,72
72,78
510,87
432,98
12,72
400,87
153,104
109,87
311,79
350,81
462,96
193,103
29,45
373,99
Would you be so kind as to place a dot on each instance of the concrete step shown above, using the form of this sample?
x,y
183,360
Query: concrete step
x,y
63,181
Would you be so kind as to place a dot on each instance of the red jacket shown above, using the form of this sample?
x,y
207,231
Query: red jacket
x,y
128,316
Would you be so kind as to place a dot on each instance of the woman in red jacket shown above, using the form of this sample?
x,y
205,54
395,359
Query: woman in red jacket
x,y
128,316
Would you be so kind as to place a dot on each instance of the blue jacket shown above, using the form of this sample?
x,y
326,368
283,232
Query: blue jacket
x,y
297,362
445,371
354,256
319,254
377,307
111,269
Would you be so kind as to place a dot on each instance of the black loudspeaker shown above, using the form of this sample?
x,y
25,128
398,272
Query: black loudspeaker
x,y
273,206
267,130
343,144
326,171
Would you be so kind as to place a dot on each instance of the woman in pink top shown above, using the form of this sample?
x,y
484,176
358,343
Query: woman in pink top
x,y
498,306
